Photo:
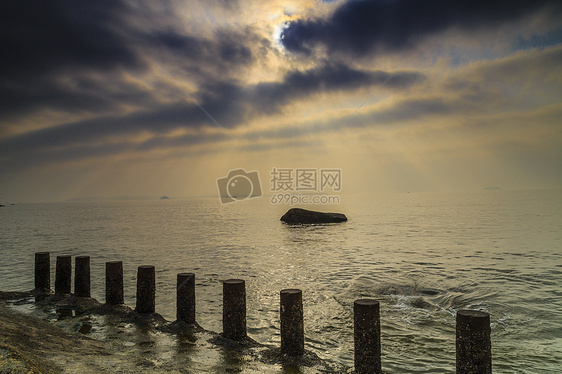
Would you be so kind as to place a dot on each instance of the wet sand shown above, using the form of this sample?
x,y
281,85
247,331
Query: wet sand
x,y
30,345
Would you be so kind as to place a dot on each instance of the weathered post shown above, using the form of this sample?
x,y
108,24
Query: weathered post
x,y
82,276
234,309
42,271
367,336
114,282
146,289
185,302
63,275
474,348
292,324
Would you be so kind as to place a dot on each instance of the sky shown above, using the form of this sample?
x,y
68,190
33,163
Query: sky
x,y
142,98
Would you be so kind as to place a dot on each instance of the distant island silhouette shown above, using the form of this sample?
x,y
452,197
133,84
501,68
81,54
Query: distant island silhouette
x,y
164,198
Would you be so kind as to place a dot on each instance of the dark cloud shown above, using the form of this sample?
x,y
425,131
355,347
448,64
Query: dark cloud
x,y
79,93
227,48
78,57
51,51
269,97
162,120
72,57
43,36
43,156
410,109
230,104
361,27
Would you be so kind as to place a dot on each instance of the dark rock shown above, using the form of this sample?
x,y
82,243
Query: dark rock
x,y
15,295
164,198
429,291
297,215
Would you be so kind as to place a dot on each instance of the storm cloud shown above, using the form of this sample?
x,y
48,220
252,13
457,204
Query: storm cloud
x,y
46,36
230,104
362,27
328,78
77,57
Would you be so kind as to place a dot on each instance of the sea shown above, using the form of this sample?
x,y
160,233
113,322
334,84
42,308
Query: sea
x,y
423,256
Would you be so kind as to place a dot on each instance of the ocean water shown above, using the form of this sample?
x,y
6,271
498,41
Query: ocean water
x,y
422,255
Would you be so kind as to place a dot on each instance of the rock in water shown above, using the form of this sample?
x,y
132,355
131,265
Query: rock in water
x,y
297,215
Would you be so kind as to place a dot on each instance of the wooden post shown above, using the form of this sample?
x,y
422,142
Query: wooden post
x,y
474,348
63,275
146,289
82,276
234,309
185,302
367,336
114,283
292,324
42,271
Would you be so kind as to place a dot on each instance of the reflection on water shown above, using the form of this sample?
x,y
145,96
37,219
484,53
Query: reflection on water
x,y
423,256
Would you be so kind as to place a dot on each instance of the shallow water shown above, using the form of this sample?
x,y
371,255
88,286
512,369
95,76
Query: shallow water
x,y
422,255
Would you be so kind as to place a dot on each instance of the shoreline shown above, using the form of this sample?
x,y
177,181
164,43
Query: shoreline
x,y
126,342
